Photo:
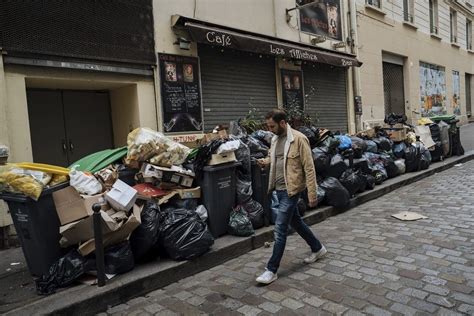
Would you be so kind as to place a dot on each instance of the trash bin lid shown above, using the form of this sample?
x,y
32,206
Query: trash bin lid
x,y
99,160
446,118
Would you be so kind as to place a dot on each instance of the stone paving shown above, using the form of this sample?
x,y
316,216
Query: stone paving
x,y
376,264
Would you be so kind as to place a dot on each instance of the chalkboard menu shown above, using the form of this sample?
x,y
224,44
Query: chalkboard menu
x,y
292,87
180,93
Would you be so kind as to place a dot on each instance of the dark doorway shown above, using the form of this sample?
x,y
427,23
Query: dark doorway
x,y
394,96
67,125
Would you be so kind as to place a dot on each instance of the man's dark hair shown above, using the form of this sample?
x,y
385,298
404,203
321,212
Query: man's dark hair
x,y
276,115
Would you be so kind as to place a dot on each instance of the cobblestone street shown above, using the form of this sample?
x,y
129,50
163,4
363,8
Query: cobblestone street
x,y
376,264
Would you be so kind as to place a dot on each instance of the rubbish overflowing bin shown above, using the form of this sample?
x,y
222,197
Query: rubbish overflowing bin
x,y
218,185
260,189
455,146
37,226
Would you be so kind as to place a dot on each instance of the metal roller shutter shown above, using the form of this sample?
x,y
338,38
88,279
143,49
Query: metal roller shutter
x,y
329,102
233,82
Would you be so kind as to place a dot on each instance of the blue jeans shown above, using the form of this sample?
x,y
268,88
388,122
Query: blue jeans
x,y
288,214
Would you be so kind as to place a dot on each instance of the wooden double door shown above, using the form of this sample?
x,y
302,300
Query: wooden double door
x,y
66,125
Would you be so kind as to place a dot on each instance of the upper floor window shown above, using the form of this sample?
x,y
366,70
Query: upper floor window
x,y
408,11
453,25
469,34
433,16
375,3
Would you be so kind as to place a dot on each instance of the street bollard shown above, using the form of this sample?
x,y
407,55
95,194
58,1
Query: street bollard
x,y
99,246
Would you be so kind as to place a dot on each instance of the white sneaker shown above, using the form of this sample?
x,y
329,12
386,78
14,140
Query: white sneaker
x,y
316,255
267,277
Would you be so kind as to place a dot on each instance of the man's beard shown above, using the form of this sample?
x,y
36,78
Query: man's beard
x,y
280,131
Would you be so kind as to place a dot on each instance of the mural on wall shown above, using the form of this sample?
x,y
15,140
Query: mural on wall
x,y
456,97
321,18
432,90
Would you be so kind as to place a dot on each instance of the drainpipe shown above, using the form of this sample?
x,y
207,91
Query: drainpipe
x,y
355,51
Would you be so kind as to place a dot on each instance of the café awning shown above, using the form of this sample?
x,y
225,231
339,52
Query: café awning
x,y
230,38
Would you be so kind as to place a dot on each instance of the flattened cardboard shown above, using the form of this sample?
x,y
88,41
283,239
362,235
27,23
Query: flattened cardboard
x,y
408,216
194,193
70,205
82,230
113,238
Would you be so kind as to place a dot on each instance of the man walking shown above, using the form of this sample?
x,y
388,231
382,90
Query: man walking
x,y
291,172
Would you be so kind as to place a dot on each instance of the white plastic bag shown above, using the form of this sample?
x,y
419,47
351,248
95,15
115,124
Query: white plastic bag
x,y
84,183
228,147
202,212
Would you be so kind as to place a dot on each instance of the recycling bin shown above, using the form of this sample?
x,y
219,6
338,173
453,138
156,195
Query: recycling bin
x,y
260,177
37,226
218,185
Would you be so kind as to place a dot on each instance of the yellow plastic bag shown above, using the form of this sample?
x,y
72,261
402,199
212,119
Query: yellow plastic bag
x,y
21,181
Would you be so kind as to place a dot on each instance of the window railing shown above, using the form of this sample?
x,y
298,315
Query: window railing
x,y
408,17
434,29
375,3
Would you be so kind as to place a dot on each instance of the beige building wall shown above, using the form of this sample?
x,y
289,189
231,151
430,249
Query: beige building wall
x,y
266,17
383,31
135,107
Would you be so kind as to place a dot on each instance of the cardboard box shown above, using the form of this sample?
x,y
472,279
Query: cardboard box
x,y
209,137
83,230
194,193
397,132
115,237
71,206
122,196
217,159
167,175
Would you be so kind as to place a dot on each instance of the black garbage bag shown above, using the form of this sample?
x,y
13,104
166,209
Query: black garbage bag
x,y
352,182
256,147
189,204
244,190
378,172
320,194
126,174
392,118
322,160
63,272
255,213
336,194
337,166
383,144
437,152
369,181
302,206
359,146
399,150
239,223
371,146
435,132
243,156
361,164
203,155
425,160
146,235
330,143
264,136
184,235
412,158
119,258
308,132
389,165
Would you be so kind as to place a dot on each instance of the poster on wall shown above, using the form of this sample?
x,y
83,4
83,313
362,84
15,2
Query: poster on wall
x,y
432,90
292,88
180,93
323,17
456,97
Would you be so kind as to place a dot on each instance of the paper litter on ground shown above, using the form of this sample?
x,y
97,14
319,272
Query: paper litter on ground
x,y
408,216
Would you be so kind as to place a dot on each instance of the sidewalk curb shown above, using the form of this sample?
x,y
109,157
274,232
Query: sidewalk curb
x,y
87,300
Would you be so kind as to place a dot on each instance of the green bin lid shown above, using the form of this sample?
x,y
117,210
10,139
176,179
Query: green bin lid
x,y
447,117
99,160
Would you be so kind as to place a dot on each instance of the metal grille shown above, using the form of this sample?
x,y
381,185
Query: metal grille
x,y
469,94
119,30
327,98
233,82
394,96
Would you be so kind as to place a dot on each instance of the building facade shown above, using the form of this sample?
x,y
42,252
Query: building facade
x,y
418,58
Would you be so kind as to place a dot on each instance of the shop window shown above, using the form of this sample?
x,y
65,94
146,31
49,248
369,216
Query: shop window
x,y
432,90
408,11
433,16
453,25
